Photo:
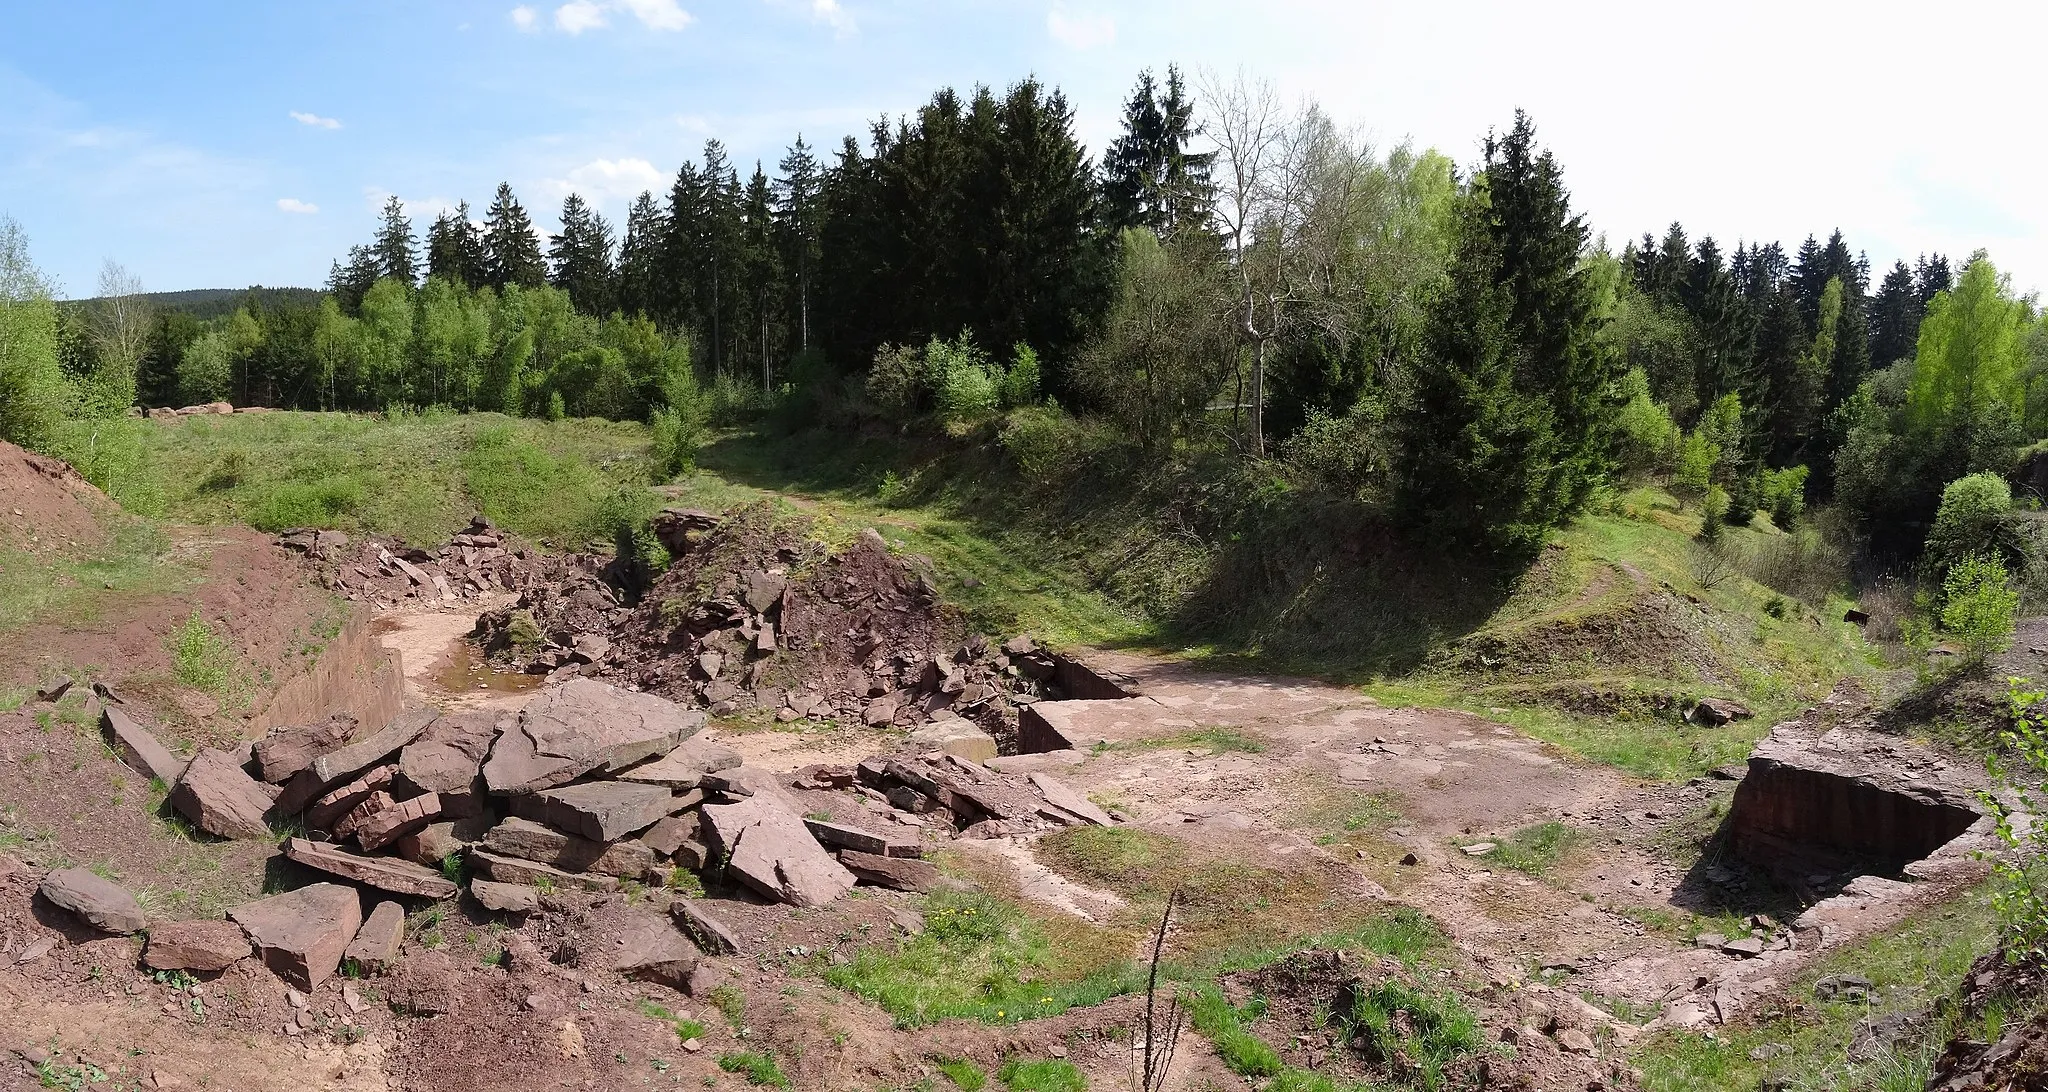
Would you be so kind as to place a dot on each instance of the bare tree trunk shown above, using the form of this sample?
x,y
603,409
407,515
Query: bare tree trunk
x,y
1259,398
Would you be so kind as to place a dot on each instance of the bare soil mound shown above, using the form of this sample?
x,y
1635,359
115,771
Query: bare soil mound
x,y
45,501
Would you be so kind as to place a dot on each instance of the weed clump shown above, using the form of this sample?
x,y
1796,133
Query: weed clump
x,y
758,1068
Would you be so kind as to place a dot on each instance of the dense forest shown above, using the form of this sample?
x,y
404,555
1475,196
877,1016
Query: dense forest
x,y
1235,278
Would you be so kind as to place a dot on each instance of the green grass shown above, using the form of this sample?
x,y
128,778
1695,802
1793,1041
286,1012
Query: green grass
x,y
686,1029
1441,1030
1217,739
416,476
1051,1075
201,659
1247,1055
757,1067
1534,849
1911,967
978,958
965,1075
134,558
731,1004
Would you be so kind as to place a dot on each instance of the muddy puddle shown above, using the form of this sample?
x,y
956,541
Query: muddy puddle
x,y
444,669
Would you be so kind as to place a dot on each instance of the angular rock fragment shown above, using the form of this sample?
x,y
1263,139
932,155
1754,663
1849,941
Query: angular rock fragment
x,y
384,873
338,766
516,837
433,843
286,751
402,818
505,898
515,870
685,767
711,933
841,836
650,950
327,813
1061,796
582,727
602,811
301,934
669,835
375,947
221,799
138,748
899,873
102,904
203,946
768,848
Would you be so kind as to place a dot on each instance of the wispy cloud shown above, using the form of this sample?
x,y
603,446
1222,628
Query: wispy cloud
x,y
833,15
315,120
659,14
293,204
577,16
1080,30
415,207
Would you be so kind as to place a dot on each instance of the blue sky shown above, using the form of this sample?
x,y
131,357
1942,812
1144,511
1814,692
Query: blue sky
x,y
217,143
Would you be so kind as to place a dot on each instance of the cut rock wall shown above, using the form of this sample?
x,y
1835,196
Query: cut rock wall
x,y
354,674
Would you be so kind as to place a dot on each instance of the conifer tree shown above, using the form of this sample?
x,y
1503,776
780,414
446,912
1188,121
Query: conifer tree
x,y
511,247
640,256
395,244
1506,426
1150,178
761,275
455,252
582,257
796,212
1895,317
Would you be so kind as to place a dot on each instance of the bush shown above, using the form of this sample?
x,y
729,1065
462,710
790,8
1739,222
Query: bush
x,y
1646,440
1021,382
1695,466
1971,520
896,382
1783,494
1050,446
325,502
1809,564
962,379
2020,893
1713,513
1979,604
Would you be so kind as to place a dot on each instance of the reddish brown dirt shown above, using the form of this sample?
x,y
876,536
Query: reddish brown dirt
x,y
44,504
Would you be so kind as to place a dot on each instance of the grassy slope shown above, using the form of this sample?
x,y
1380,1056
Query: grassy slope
x,y
1014,571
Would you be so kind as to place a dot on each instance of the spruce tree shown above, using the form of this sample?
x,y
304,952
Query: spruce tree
x,y
454,250
1507,420
582,257
796,215
761,276
640,256
1149,177
511,247
395,244
1895,317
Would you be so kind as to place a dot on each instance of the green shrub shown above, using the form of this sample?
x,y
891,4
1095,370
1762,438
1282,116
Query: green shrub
x,y
1021,380
1713,513
962,379
1979,605
1970,521
1645,436
1695,466
199,658
1783,494
2020,894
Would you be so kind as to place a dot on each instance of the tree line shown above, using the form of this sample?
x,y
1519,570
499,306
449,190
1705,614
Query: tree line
x,y
1235,275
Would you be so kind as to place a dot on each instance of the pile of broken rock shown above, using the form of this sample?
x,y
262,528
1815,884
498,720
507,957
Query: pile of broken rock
x,y
480,561
588,788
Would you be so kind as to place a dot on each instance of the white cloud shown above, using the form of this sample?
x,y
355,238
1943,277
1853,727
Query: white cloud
x,y
660,14
315,120
831,14
603,180
525,18
416,208
1080,30
577,16
293,204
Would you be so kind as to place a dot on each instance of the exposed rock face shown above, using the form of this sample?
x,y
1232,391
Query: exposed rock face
x,y
221,799
602,811
102,904
203,946
138,748
584,727
768,848
384,873
301,934
533,841
710,932
955,736
375,946
1847,794
1064,798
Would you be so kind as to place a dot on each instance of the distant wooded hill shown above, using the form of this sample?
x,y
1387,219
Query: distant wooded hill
x,y
207,303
